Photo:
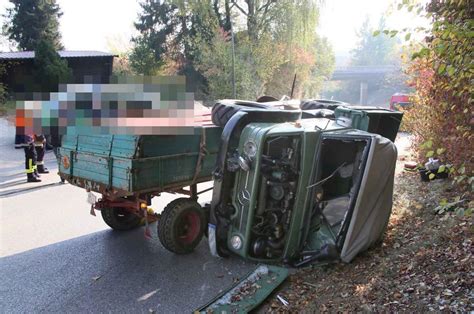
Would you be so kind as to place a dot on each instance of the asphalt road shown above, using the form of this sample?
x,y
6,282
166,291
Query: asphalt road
x,y
106,271
56,257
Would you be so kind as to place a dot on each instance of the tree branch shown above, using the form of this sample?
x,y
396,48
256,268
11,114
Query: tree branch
x,y
216,11
266,6
239,7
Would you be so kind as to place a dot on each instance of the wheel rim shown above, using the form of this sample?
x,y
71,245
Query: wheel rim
x,y
189,226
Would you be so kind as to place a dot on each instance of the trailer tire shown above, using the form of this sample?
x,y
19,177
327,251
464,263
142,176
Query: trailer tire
x,y
119,218
223,110
181,225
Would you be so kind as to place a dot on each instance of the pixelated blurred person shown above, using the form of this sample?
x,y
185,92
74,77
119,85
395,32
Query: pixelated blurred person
x,y
19,140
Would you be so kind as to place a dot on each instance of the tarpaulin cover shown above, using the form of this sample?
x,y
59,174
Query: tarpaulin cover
x,y
374,202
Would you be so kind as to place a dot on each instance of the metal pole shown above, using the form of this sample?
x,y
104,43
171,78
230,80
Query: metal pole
x,y
293,87
363,93
233,60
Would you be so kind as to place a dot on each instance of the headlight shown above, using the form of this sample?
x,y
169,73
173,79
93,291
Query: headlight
x,y
250,148
243,163
236,242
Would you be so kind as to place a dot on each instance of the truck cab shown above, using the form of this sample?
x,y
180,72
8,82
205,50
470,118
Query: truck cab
x,y
299,191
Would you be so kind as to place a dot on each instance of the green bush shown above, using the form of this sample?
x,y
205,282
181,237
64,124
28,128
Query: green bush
x,y
442,73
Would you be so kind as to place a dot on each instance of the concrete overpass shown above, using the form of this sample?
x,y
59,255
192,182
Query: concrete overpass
x,y
362,74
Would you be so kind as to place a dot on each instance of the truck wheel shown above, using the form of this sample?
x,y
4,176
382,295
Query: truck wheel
x,y
119,218
223,110
311,104
181,225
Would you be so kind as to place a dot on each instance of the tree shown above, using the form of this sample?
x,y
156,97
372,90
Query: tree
x,y
30,21
3,90
224,18
156,23
259,16
193,38
282,41
49,68
381,50
374,50
169,34
143,59
310,57
120,47
254,65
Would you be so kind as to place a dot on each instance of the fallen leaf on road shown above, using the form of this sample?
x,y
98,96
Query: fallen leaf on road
x,y
96,278
147,296
448,292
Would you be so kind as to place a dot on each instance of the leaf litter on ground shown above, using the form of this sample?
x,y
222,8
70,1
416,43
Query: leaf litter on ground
x,y
425,262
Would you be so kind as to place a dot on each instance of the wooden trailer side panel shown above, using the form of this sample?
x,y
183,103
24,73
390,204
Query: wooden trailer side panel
x,y
133,164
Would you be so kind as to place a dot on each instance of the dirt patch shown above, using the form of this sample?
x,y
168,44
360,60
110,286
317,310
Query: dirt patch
x,y
425,262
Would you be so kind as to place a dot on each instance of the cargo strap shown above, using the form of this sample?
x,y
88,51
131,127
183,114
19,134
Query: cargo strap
x,y
202,152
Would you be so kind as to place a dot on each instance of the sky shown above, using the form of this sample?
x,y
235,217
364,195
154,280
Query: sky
x,y
92,24
340,19
107,25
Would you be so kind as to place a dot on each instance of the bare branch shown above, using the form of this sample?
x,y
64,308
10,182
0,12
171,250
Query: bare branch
x,y
266,6
239,7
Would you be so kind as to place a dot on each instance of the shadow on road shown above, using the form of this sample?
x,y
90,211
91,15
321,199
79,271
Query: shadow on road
x,y
13,192
113,271
7,177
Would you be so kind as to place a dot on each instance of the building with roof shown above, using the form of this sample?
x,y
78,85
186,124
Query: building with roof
x,y
86,66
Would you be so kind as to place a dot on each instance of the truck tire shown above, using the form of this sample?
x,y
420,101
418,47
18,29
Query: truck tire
x,y
311,104
266,98
181,225
119,218
223,110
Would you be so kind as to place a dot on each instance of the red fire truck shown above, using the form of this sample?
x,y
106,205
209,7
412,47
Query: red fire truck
x,y
399,100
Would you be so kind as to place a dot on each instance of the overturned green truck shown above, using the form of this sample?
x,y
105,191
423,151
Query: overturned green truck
x,y
291,185
309,190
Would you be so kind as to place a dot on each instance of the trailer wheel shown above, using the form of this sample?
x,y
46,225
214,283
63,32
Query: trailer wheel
x,y
119,218
181,225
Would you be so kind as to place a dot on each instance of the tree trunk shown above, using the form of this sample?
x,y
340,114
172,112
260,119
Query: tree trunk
x,y
252,20
228,22
223,19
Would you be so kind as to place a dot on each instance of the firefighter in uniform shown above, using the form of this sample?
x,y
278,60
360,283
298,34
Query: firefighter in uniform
x,y
30,159
34,146
40,147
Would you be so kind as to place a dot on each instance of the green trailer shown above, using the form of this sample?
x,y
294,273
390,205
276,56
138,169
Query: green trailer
x,y
129,170
130,165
